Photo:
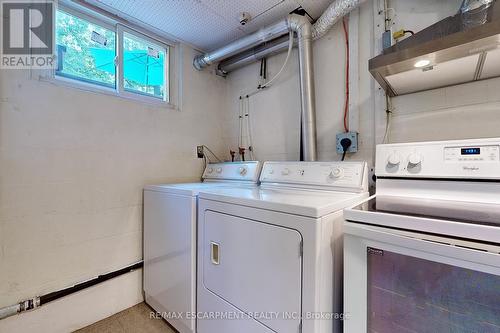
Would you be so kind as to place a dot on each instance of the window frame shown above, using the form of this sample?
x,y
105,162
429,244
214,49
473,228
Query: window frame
x,y
119,28
100,23
120,66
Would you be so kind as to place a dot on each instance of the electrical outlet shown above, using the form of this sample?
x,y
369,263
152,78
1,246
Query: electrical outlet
x,y
200,152
353,136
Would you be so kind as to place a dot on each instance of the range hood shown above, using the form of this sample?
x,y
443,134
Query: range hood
x,y
447,53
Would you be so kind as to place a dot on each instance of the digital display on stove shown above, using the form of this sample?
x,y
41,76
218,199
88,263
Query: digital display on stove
x,y
471,151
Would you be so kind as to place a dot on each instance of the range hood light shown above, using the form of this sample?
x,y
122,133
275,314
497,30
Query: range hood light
x,y
422,63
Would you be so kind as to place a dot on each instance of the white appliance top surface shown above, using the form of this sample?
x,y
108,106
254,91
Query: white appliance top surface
x,y
439,187
311,203
192,189
467,220
233,174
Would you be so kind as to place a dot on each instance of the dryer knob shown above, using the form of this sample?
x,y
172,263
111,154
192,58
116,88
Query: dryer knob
x,y
218,170
336,173
210,170
414,160
393,160
242,171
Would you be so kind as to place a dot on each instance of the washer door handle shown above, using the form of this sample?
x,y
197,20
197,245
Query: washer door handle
x,y
214,252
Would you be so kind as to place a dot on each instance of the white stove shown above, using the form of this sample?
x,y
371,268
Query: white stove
x,y
423,254
270,258
170,220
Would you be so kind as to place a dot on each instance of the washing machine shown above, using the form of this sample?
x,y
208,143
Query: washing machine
x,y
270,257
170,215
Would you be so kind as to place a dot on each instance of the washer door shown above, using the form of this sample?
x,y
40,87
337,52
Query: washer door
x,y
255,267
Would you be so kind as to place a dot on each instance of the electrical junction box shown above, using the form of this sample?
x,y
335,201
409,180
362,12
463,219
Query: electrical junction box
x,y
353,136
387,39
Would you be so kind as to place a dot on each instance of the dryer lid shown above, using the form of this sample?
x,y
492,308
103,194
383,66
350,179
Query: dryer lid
x,y
304,202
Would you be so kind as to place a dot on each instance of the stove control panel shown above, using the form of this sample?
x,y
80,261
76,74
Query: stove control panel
x,y
244,171
476,159
322,174
472,154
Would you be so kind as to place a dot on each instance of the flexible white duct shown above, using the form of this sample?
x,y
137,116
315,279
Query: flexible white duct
x,y
332,15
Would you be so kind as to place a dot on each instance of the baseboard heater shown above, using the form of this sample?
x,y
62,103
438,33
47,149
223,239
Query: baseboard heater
x,y
38,301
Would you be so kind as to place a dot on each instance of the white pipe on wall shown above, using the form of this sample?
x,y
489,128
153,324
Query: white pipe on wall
x,y
9,311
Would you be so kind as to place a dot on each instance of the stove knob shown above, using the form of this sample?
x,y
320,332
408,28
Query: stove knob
x,y
218,170
414,160
242,171
210,170
336,173
285,172
393,160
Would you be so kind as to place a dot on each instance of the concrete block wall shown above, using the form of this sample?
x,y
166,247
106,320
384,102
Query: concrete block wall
x,y
72,167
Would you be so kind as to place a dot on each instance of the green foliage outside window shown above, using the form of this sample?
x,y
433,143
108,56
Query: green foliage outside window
x,y
74,45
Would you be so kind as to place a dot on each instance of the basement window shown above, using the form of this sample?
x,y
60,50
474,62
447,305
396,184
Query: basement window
x,y
85,51
144,65
97,53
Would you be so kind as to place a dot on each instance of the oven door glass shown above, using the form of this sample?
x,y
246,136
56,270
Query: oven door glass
x,y
409,294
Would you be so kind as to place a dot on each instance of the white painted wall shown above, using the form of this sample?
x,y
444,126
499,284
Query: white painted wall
x,y
72,167
466,111
73,163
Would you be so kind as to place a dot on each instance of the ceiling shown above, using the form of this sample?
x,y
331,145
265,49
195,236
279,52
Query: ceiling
x,y
209,24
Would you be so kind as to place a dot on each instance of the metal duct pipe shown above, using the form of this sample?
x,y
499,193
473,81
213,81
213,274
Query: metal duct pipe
x,y
275,46
332,15
240,45
305,34
303,29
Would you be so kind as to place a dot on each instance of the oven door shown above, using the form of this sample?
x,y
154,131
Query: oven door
x,y
398,281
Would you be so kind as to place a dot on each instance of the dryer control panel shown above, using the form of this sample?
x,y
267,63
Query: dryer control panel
x,y
327,175
241,171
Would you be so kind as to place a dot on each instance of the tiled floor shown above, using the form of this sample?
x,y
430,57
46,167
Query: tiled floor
x,y
134,319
